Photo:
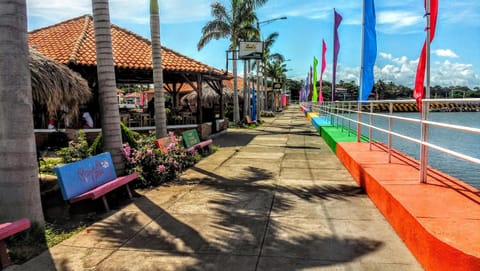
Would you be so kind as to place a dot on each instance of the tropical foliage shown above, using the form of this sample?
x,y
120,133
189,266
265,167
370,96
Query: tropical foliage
x,y
234,23
153,166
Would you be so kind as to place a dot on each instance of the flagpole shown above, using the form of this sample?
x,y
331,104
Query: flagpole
x,y
333,59
424,131
362,56
360,87
427,56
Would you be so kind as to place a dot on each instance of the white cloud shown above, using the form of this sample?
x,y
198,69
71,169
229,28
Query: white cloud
x,y
445,53
385,55
120,10
391,21
399,18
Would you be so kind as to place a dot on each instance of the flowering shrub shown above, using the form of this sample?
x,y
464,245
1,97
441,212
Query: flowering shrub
x,y
153,166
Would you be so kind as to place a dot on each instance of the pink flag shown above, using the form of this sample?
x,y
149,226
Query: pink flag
x,y
336,48
324,66
418,92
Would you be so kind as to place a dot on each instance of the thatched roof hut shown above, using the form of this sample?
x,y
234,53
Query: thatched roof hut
x,y
55,87
209,96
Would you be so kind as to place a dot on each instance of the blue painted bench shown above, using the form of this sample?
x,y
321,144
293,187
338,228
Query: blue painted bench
x,y
6,230
192,141
91,178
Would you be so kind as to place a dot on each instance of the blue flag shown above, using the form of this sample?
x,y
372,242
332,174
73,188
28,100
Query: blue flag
x,y
369,50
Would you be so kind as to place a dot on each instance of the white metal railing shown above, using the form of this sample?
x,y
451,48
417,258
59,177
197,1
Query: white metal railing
x,y
341,113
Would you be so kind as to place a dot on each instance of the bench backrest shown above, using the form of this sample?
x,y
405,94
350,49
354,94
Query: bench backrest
x,y
163,144
190,138
79,177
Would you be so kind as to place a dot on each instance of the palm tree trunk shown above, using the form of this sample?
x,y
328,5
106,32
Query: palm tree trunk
x,y
245,88
160,115
109,110
19,185
236,111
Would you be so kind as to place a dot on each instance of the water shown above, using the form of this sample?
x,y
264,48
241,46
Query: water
x,y
458,141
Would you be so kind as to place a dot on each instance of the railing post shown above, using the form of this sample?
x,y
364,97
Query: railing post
x,y
390,127
359,120
370,130
349,115
424,138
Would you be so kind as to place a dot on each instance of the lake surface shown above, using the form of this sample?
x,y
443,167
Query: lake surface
x,y
458,141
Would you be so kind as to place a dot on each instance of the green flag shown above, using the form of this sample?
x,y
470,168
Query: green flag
x,y
314,80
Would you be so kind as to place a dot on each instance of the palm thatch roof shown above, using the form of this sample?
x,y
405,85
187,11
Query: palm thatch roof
x,y
56,87
209,96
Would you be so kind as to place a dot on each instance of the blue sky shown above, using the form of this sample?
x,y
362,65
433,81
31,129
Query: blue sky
x,y
400,34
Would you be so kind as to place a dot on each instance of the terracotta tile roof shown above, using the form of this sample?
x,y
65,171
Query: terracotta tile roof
x,y
73,42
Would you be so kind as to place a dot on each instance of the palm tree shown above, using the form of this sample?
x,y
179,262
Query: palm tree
x,y
109,110
19,186
160,115
267,45
276,70
230,24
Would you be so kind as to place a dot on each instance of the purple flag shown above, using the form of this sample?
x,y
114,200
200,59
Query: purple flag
x,y
336,48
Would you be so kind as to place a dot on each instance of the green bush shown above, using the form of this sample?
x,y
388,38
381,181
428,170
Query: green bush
x,y
153,166
76,150
128,136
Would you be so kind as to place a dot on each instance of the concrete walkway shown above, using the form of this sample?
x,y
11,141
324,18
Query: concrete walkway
x,y
273,198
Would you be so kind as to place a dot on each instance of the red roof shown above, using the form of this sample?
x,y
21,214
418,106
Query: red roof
x,y
73,41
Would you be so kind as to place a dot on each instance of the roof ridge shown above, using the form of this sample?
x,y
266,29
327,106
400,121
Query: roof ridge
x,y
57,24
76,48
149,42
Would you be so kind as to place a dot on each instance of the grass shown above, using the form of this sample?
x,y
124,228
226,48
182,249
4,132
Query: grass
x,y
30,243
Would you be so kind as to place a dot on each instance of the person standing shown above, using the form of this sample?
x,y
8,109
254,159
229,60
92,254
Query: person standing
x,y
87,120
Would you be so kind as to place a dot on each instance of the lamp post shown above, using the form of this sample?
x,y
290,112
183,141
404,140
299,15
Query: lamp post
x,y
260,78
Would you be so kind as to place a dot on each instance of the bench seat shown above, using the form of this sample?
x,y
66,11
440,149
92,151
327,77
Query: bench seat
x,y
6,230
200,145
249,120
103,189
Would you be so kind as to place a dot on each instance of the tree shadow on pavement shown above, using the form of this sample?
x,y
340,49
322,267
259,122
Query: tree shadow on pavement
x,y
237,230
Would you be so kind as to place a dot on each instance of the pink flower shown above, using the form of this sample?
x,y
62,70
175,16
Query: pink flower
x,y
161,169
126,150
149,152
175,164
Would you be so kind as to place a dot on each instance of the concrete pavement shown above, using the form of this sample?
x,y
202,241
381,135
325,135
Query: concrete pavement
x,y
272,198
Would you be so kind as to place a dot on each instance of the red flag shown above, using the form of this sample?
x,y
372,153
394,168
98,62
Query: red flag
x,y
418,92
324,66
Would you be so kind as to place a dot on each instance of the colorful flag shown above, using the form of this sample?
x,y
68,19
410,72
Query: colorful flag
x,y
336,48
369,54
418,92
314,81
324,66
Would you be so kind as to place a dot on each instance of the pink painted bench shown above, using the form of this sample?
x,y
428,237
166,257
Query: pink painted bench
x,y
6,230
91,178
192,141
